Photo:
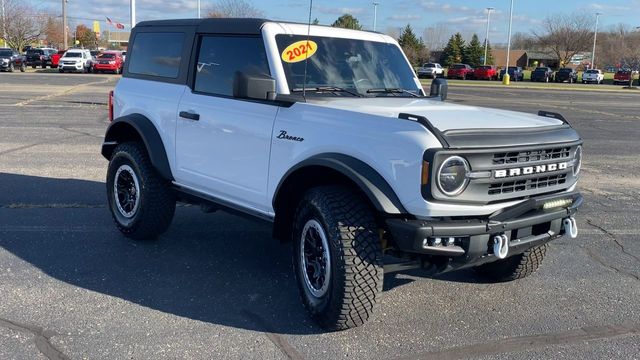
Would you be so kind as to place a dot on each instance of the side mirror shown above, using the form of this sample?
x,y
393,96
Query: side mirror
x,y
251,86
439,88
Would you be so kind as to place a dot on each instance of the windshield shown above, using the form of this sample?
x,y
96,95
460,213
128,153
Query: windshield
x,y
484,67
459,66
72,55
565,70
429,65
107,56
541,69
6,53
32,52
354,65
592,71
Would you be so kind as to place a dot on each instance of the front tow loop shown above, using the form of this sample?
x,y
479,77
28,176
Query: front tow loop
x,y
500,246
570,227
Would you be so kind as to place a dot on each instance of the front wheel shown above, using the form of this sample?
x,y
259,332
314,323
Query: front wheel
x,y
23,68
515,267
11,68
141,202
337,257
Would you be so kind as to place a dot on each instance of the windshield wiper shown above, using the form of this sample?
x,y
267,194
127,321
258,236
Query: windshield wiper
x,y
327,89
391,91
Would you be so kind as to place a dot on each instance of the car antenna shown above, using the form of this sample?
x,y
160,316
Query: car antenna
x,y
306,58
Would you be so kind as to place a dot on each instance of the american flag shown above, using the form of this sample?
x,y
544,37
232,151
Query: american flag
x,y
116,24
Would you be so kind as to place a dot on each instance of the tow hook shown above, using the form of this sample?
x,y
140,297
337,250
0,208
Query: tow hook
x,y
570,227
500,246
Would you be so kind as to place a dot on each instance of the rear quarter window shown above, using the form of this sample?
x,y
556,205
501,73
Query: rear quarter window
x,y
157,54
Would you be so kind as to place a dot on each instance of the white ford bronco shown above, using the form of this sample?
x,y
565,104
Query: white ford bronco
x,y
328,134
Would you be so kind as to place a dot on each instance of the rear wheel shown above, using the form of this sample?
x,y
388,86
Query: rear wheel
x,y
337,257
23,68
515,267
141,202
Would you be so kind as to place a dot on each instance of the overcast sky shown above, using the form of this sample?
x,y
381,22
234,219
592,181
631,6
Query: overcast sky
x,y
465,16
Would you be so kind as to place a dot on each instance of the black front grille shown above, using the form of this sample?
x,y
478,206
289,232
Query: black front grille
x,y
531,155
527,184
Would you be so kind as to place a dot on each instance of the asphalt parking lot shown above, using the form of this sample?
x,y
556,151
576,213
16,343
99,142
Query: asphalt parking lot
x,y
217,286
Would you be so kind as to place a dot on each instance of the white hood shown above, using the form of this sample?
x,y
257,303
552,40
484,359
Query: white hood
x,y
443,115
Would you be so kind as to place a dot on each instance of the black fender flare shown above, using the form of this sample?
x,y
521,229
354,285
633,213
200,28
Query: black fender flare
x,y
372,184
120,131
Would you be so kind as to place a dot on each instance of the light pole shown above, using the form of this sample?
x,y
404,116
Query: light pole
x,y
4,27
133,13
486,37
198,9
65,28
595,36
375,14
506,79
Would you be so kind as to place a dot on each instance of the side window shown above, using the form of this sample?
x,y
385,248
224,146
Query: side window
x,y
157,54
219,58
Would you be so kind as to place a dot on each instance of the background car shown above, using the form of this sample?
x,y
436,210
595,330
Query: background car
x,y
515,73
460,71
622,77
55,58
75,60
485,72
430,70
11,60
592,76
543,74
108,61
566,74
40,57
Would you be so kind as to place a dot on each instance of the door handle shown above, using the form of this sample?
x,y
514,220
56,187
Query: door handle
x,y
189,115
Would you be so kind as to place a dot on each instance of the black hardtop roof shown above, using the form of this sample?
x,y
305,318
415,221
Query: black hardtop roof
x,y
214,25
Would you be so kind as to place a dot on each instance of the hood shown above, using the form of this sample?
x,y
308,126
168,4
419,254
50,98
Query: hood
x,y
443,115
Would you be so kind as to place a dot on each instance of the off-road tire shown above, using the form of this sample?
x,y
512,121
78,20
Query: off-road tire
x,y
355,253
156,201
515,267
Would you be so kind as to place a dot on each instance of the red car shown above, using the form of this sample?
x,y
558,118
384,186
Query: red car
x,y
622,77
108,61
55,58
485,72
460,71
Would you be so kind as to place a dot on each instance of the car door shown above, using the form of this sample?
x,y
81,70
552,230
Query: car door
x,y
223,143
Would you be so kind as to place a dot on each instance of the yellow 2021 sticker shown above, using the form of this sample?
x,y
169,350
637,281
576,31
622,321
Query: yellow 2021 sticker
x,y
299,51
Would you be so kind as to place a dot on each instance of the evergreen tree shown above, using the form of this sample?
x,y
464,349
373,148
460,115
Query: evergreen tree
x,y
473,53
453,52
413,47
490,59
347,21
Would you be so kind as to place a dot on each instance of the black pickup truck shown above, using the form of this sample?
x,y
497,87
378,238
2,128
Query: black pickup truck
x,y
544,74
566,74
40,57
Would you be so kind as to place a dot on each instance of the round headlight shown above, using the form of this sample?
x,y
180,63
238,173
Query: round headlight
x,y
577,161
452,176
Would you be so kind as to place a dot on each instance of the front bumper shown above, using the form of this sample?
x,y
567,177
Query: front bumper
x,y
72,67
525,225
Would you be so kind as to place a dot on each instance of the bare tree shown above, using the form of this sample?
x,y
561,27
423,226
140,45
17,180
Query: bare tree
x,y
524,41
620,47
436,37
565,35
22,24
234,9
52,31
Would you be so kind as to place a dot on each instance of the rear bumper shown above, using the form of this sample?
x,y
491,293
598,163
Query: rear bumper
x,y
525,225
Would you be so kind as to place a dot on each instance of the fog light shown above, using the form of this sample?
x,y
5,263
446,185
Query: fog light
x,y
557,203
450,241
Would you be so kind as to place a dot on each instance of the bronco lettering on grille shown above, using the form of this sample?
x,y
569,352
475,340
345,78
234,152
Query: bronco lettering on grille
x,y
529,170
